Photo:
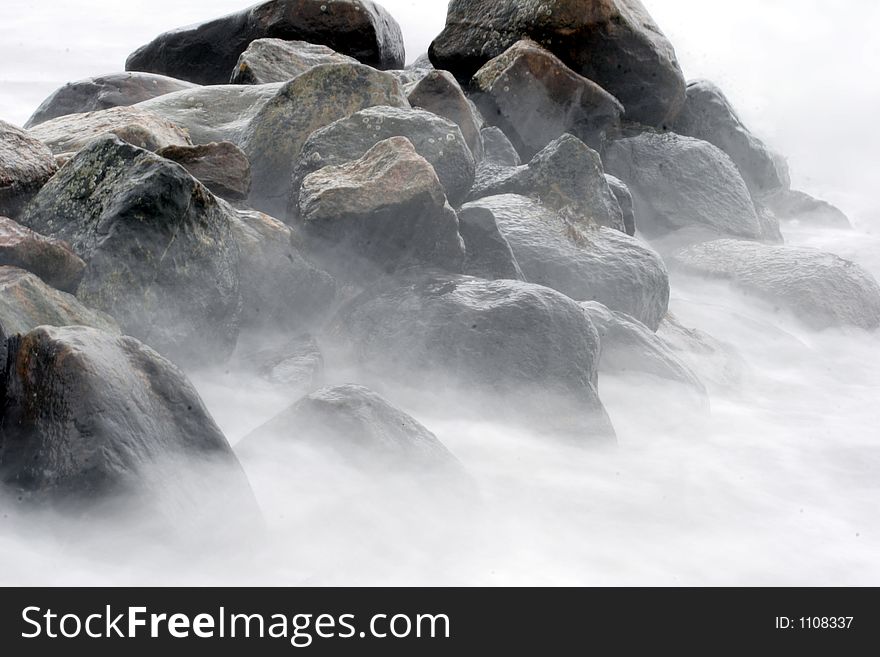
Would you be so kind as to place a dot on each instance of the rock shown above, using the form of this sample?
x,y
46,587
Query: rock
x,y
281,290
103,92
158,245
440,93
276,60
88,416
497,148
625,201
26,164
535,98
213,114
360,426
708,115
51,260
821,289
139,127
488,254
27,302
630,346
680,182
274,138
384,211
792,205
587,264
771,232
206,53
614,43
511,349
222,167
717,363
436,139
566,176
295,362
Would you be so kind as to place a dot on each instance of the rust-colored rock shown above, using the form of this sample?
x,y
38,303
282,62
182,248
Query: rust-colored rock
x,y
222,167
50,259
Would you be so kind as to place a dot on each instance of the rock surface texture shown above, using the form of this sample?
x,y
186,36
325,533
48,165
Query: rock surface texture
x,y
26,164
222,167
50,259
275,60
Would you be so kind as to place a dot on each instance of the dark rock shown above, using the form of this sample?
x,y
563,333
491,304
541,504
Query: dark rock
x,y
384,211
708,115
497,148
206,53
139,127
274,138
26,302
436,139
531,95
26,164
276,60
489,255
89,416
821,289
615,43
440,93
222,167
681,182
52,260
792,205
103,92
295,362
587,264
158,245
625,201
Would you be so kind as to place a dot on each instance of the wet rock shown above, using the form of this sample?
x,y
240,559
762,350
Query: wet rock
x,y
25,166
52,260
103,92
436,139
206,53
489,255
139,127
222,167
615,43
274,138
625,201
717,363
295,362
497,148
535,98
384,211
276,60
821,289
440,93
158,245
791,205
681,182
585,263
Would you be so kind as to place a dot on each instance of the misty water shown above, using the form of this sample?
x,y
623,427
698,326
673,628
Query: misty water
x,y
778,483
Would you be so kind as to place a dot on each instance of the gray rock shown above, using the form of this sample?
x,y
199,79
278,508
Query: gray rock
x,y
587,264
497,148
440,93
708,115
103,92
52,260
382,212
625,201
275,136
436,139
615,43
276,60
222,167
159,248
681,182
206,53
530,94
717,363
489,255
26,164
821,289
791,205
296,363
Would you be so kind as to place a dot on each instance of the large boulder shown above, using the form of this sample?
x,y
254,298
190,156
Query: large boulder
x,y
614,43
142,128
382,212
821,289
531,95
566,176
792,205
103,92
159,247
207,53
276,60
708,115
222,167
587,264
50,259
488,254
440,93
514,350
436,139
92,417
681,182
324,94
26,302
26,164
